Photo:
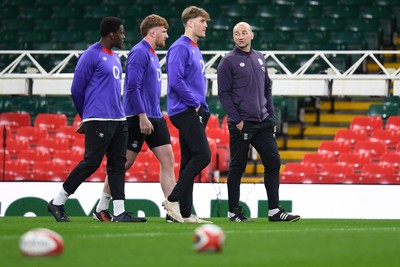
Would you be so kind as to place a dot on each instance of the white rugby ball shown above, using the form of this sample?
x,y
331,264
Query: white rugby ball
x,y
41,242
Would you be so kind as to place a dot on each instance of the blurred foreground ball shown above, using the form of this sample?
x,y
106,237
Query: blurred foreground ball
x,y
41,242
208,238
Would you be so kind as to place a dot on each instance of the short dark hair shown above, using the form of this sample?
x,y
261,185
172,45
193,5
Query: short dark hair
x,y
152,21
109,24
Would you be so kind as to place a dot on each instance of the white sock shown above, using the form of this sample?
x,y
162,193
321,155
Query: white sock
x,y
104,201
119,207
61,198
273,212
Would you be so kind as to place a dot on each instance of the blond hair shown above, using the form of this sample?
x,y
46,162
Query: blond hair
x,y
193,12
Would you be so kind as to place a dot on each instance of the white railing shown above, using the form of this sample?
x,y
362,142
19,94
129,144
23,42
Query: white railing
x,y
26,72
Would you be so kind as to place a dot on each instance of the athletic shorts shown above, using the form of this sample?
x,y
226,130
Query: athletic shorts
x,y
160,136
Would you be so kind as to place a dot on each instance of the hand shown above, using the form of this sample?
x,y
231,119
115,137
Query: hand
x,y
239,126
80,129
145,125
198,108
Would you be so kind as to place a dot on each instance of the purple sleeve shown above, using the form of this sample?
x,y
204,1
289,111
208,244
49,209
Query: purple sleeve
x,y
82,75
224,78
176,76
135,71
268,95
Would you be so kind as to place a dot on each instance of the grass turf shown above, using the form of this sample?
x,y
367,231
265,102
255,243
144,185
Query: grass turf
x,y
156,243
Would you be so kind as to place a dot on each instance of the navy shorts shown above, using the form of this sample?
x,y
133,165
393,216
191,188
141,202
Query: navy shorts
x,y
160,136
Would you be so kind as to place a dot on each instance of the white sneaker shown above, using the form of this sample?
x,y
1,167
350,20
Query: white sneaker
x,y
173,210
194,219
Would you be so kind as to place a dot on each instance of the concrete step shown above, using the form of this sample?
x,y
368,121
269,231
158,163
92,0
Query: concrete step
x,y
329,118
314,130
304,144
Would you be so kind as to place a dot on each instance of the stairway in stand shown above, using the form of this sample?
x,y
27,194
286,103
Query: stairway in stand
x,y
334,114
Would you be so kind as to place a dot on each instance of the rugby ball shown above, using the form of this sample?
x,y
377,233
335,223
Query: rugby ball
x,y
40,242
208,238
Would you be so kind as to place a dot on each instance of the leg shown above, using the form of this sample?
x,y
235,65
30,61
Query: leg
x,y
167,177
239,149
196,155
265,144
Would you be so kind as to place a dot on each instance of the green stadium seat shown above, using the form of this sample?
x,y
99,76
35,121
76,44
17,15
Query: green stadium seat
x,y
34,105
52,2
320,2
274,40
274,11
221,23
34,12
19,3
310,37
86,24
134,11
341,12
356,2
387,2
8,12
52,24
9,37
69,36
306,12
287,2
34,36
49,46
101,11
328,24
169,12
241,11
260,24
20,24
383,110
86,2
385,15
353,40
68,12
291,24
370,29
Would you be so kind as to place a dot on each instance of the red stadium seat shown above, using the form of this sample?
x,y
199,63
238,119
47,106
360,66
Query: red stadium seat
x,y
69,133
391,158
367,123
352,136
393,123
375,149
77,121
14,146
4,155
222,139
390,137
34,155
382,173
51,122
334,147
297,172
33,134
318,159
356,160
15,170
5,133
53,144
67,157
338,173
213,121
14,120
49,171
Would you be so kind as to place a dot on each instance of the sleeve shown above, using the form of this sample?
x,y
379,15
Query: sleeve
x,y
224,79
177,58
268,95
82,76
135,69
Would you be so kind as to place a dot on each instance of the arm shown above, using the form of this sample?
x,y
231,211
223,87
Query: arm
x,y
268,95
135,69
224,78
177,58
82,75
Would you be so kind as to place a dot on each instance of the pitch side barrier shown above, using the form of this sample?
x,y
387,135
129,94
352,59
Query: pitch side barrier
x,y
294,73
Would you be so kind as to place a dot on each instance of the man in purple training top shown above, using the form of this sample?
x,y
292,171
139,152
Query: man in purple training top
x,y
188,111
244,89
96,92
141,103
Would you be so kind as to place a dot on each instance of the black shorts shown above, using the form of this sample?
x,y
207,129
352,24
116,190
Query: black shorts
x,y
160,136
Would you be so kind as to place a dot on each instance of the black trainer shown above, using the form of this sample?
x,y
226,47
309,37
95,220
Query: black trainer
x,y
238,216
58,212
127,217
102,216
283,216
169,219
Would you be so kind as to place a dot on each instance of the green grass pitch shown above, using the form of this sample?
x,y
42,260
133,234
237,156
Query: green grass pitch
x,y
157,243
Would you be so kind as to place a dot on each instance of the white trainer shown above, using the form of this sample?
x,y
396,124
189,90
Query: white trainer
x,y
173,210
194,219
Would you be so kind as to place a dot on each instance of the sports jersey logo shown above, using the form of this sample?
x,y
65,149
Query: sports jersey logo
x,y
203,67
242,64
260,61
116,72
104,59
158,74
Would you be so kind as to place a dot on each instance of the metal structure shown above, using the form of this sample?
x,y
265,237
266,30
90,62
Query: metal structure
x,y
294,73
